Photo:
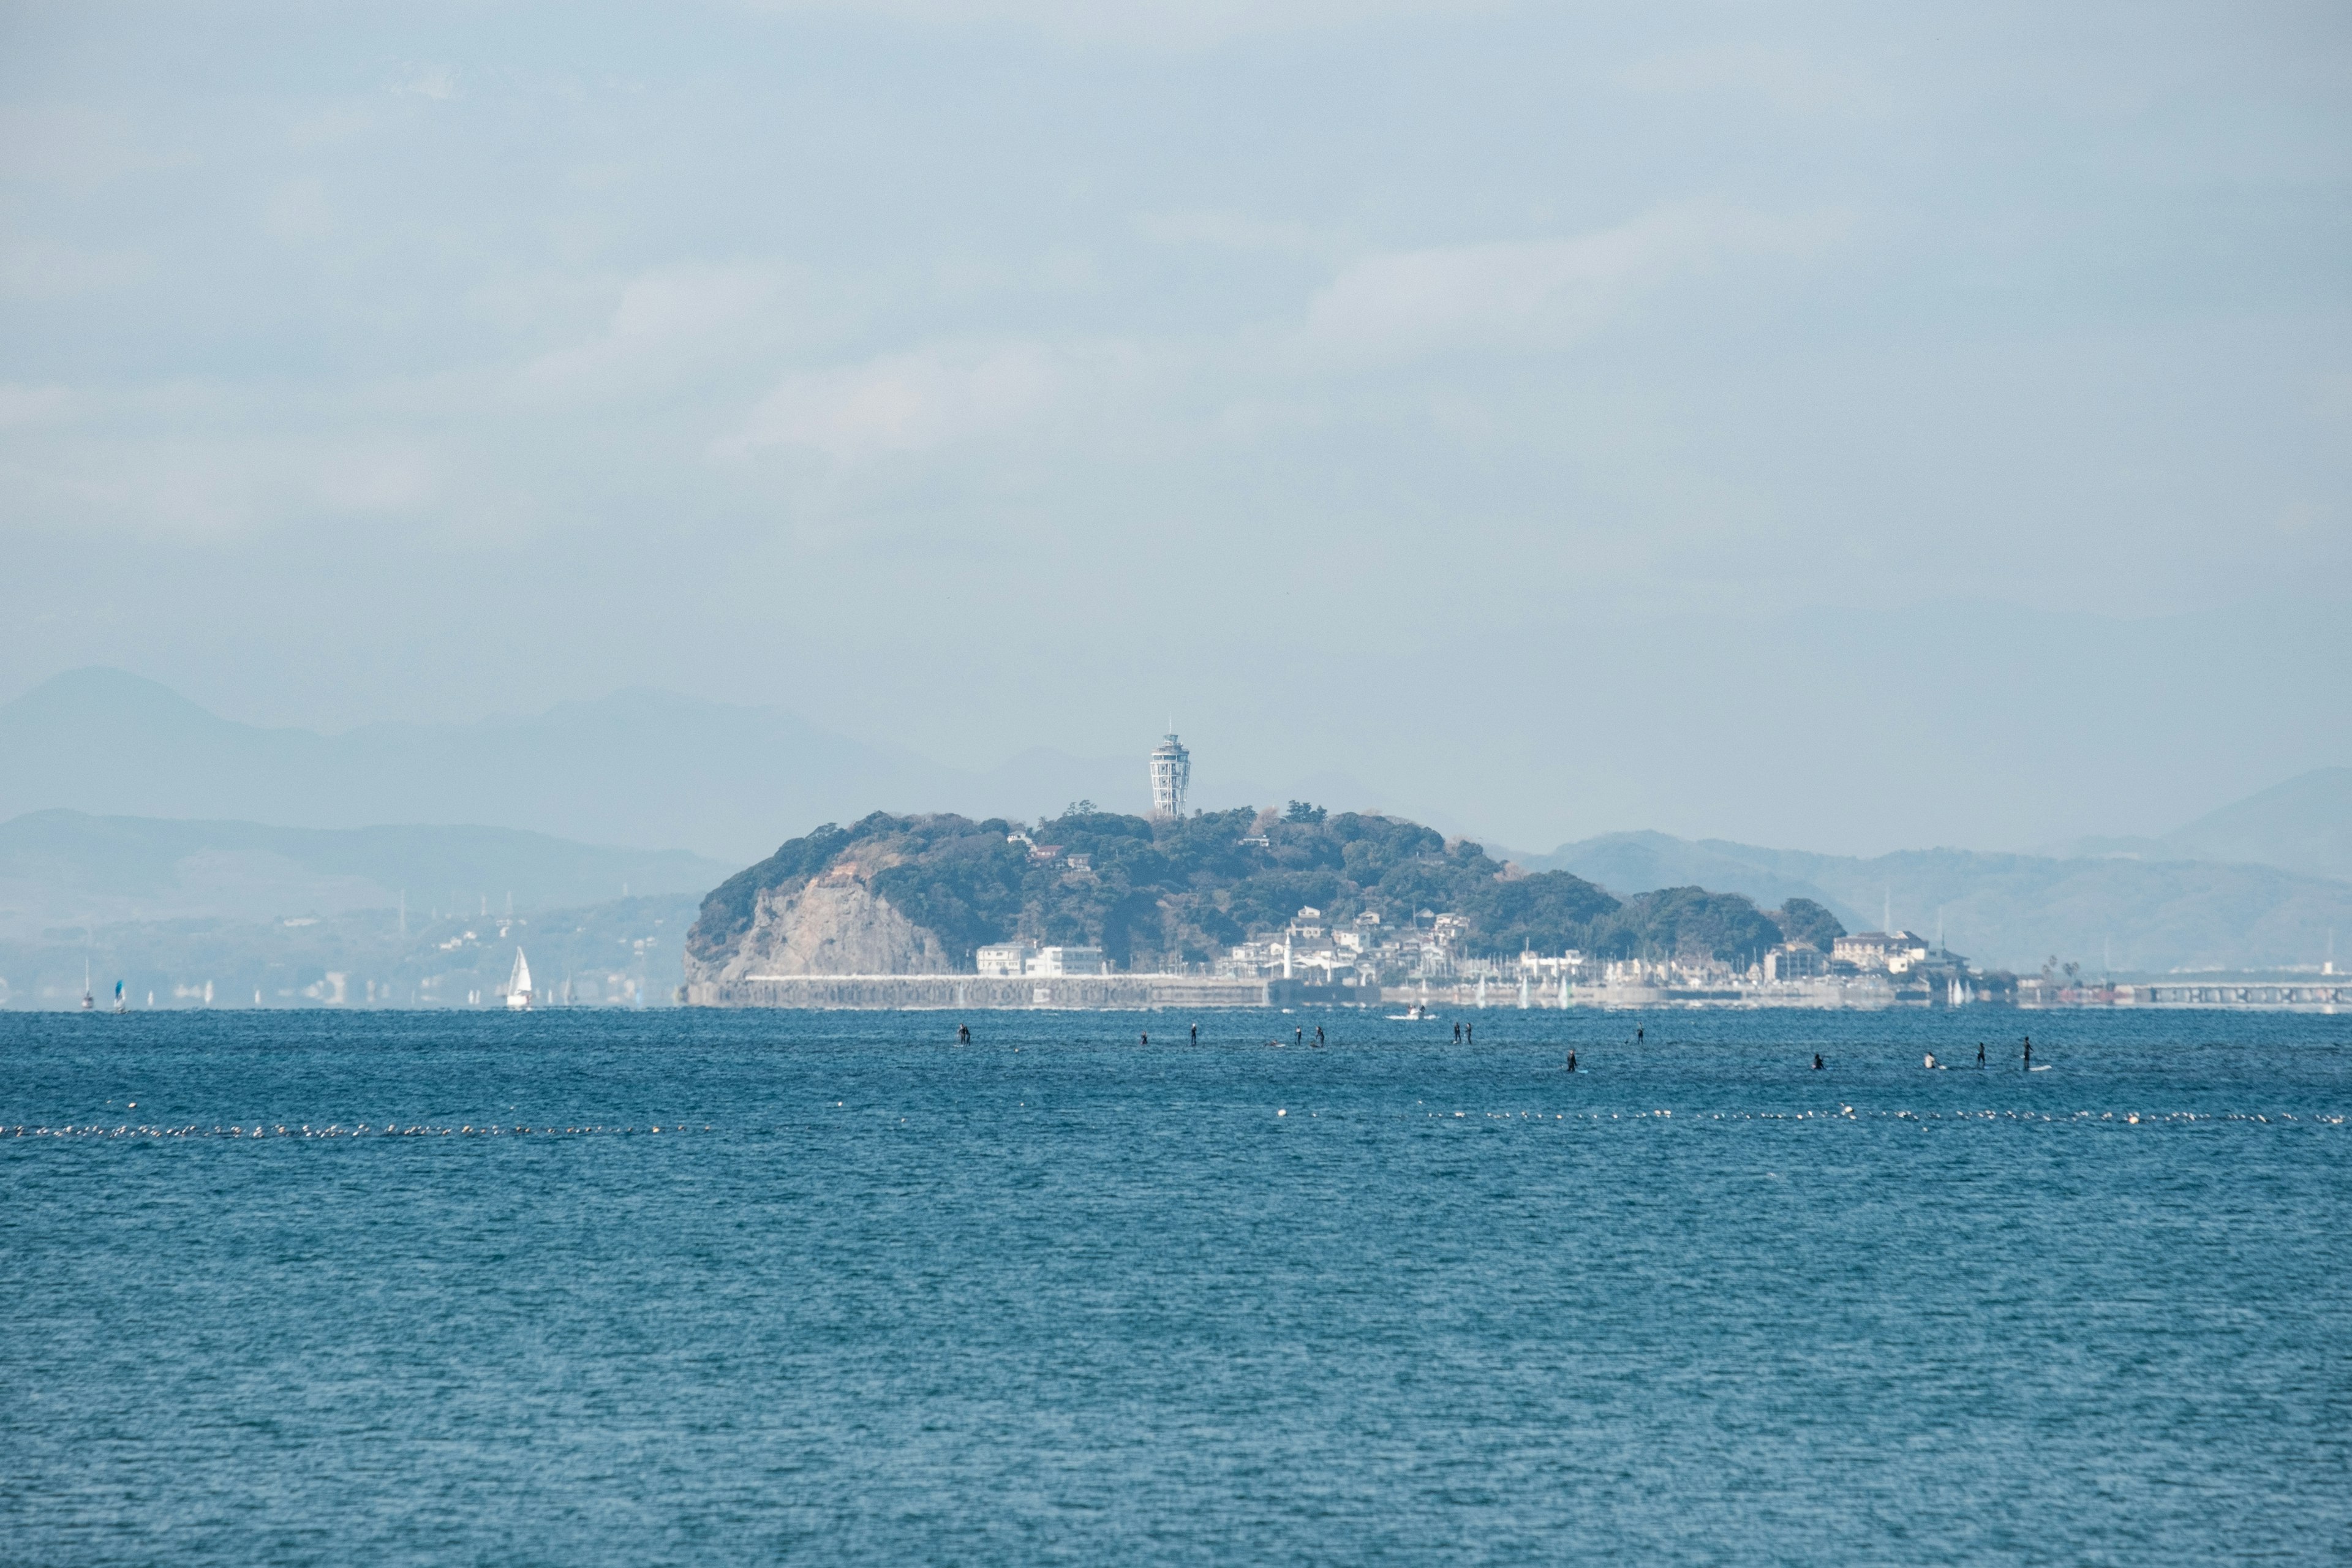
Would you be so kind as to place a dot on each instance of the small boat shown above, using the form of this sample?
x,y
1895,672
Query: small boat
x,y
519,984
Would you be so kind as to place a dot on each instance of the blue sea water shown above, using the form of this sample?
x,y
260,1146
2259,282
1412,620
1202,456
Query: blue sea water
x,y
1058,1297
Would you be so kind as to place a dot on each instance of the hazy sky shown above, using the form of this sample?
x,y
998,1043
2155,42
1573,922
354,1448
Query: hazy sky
x,y
1827,426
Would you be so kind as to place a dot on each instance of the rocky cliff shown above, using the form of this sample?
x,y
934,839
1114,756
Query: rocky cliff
x,y
836,924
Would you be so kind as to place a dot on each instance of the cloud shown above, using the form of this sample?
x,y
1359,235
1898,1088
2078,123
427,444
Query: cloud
x,y
904,403
1533,295
666,322
373,477
219,487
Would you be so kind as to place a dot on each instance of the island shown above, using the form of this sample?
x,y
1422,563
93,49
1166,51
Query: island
x,y
1096,909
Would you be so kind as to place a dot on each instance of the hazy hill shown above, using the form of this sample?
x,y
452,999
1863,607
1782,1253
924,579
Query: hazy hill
x,y
2010,910
2303,824
637,767
633,768
619,952
70,869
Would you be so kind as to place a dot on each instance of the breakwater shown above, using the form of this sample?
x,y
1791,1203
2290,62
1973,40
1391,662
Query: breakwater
x,y
1105,992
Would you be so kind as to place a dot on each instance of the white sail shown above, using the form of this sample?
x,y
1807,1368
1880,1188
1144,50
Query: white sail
x,y
519,983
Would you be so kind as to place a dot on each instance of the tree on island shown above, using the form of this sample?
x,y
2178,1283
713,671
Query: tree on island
x,y
1803,920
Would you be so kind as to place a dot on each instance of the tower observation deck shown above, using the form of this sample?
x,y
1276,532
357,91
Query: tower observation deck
x,y
1171,776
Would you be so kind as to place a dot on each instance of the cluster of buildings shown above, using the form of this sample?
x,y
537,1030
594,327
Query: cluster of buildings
x,y
1011,960
1362,959
1357,954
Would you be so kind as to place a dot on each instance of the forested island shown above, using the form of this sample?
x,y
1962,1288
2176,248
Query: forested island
x,y
922,894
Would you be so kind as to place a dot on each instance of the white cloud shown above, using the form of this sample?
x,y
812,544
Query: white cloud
x,y
666,320
199,488
1532,295
374,478
904,403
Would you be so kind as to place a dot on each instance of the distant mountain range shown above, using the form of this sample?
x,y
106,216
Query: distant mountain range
x,y
2303,824
2112,911
638,767
65,868
133,804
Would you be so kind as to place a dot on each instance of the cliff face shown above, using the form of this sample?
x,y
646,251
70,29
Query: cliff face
x,y
835,925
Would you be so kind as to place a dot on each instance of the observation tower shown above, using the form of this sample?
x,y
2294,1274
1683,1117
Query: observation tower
x,y
1171,776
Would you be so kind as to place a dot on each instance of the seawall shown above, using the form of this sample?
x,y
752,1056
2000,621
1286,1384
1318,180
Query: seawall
x,y
1102,992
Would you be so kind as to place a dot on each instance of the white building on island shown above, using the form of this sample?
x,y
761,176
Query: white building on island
x,y
1011,960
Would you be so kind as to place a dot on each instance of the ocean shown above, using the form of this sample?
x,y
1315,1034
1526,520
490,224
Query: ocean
x,y
671,1287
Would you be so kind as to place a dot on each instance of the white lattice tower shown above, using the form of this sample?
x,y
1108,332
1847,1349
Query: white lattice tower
x,y
1171,776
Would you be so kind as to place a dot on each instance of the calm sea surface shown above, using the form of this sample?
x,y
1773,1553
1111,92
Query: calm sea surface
x,y
866,1297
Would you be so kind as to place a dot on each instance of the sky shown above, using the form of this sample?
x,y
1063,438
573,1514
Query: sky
x,y
1846,428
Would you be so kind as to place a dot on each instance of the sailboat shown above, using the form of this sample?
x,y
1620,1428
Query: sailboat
x,y
87,1001
117,996
519,984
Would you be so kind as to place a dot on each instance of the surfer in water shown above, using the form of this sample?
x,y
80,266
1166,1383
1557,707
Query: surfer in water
x,y
1930,1062
2028,1053
1979,1053
1318,1036
963,1034
1638,1034
1458,1034
1196,1033
1817,1061
1571,1061
1300,1033
1147,1036
1469,1034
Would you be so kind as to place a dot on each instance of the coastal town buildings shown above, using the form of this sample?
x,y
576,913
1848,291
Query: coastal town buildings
x,y
1006,960
1888,953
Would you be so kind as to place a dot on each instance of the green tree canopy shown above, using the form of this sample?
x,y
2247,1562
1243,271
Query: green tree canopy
x,y
1166,892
